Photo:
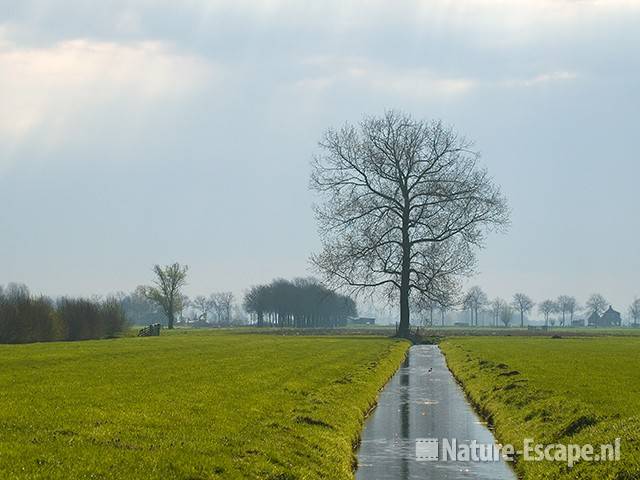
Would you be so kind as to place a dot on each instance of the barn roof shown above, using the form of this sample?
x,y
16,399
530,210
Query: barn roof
x,y
610,313
593,317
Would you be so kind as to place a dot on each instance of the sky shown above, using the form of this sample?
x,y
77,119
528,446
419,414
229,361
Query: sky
x,y
135,132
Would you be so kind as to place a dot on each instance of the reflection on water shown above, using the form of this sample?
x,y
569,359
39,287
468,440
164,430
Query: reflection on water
x,y
422,401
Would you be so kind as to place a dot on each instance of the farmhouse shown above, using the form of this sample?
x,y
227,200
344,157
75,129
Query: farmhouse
x,y
610,318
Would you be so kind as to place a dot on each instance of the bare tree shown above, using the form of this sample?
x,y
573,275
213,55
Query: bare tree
x,y
184,304
497,306
506,315
203,306
223,304
634,311
597,303
547,308
166,290
426,308
572,306
405,203
443,313
523,304
473,301
562,303
566,304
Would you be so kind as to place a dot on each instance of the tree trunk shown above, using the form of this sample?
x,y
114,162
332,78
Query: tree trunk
x,y
522,318
403,330
170,315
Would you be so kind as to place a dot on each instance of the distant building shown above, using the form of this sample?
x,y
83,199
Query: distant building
x,y
362,321
610,318
593,320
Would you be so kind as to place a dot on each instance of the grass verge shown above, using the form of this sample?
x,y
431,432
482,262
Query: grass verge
x,y
568,391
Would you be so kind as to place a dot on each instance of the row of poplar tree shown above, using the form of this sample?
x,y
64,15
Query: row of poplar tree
x,y
26,318
301,303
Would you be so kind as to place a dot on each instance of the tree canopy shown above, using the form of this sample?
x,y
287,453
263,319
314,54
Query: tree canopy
x,y
300,303
404,203
166,290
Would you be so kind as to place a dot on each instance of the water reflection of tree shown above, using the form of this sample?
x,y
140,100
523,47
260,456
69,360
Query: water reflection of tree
x,y
405,404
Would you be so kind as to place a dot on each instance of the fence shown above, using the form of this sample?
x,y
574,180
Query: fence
x,y
150,331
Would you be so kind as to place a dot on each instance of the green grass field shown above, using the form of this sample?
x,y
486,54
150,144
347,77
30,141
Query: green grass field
x,y
569,390
194,405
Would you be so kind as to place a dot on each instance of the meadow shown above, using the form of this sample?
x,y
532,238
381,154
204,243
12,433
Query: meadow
x,y
556,390
194,405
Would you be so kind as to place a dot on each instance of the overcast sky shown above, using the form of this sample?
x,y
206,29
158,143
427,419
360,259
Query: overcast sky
x,y
135,132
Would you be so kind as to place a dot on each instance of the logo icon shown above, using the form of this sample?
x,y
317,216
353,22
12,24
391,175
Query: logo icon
x,y
427,449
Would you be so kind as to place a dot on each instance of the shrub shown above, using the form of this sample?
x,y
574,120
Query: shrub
x,y
114,320
25,318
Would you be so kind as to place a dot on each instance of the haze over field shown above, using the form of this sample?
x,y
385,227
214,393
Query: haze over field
x,y
137,132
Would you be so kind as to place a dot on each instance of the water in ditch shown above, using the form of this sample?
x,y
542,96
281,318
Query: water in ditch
x,y
423,401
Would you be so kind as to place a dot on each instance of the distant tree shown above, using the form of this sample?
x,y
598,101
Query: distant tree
x,y
506,315
255,302
26,318
566,304
428,307
547,308
202,306
405,205
597,303
17,291
497,306
84,319
303,303
222,303
238,316
184,305
572,306
443,313
139,310
432,307
523,304
167,289
473,301
113,317
634,311
425,307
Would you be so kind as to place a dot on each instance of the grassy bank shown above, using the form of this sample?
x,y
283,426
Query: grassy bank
x,y
443,332
569,390
199,405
